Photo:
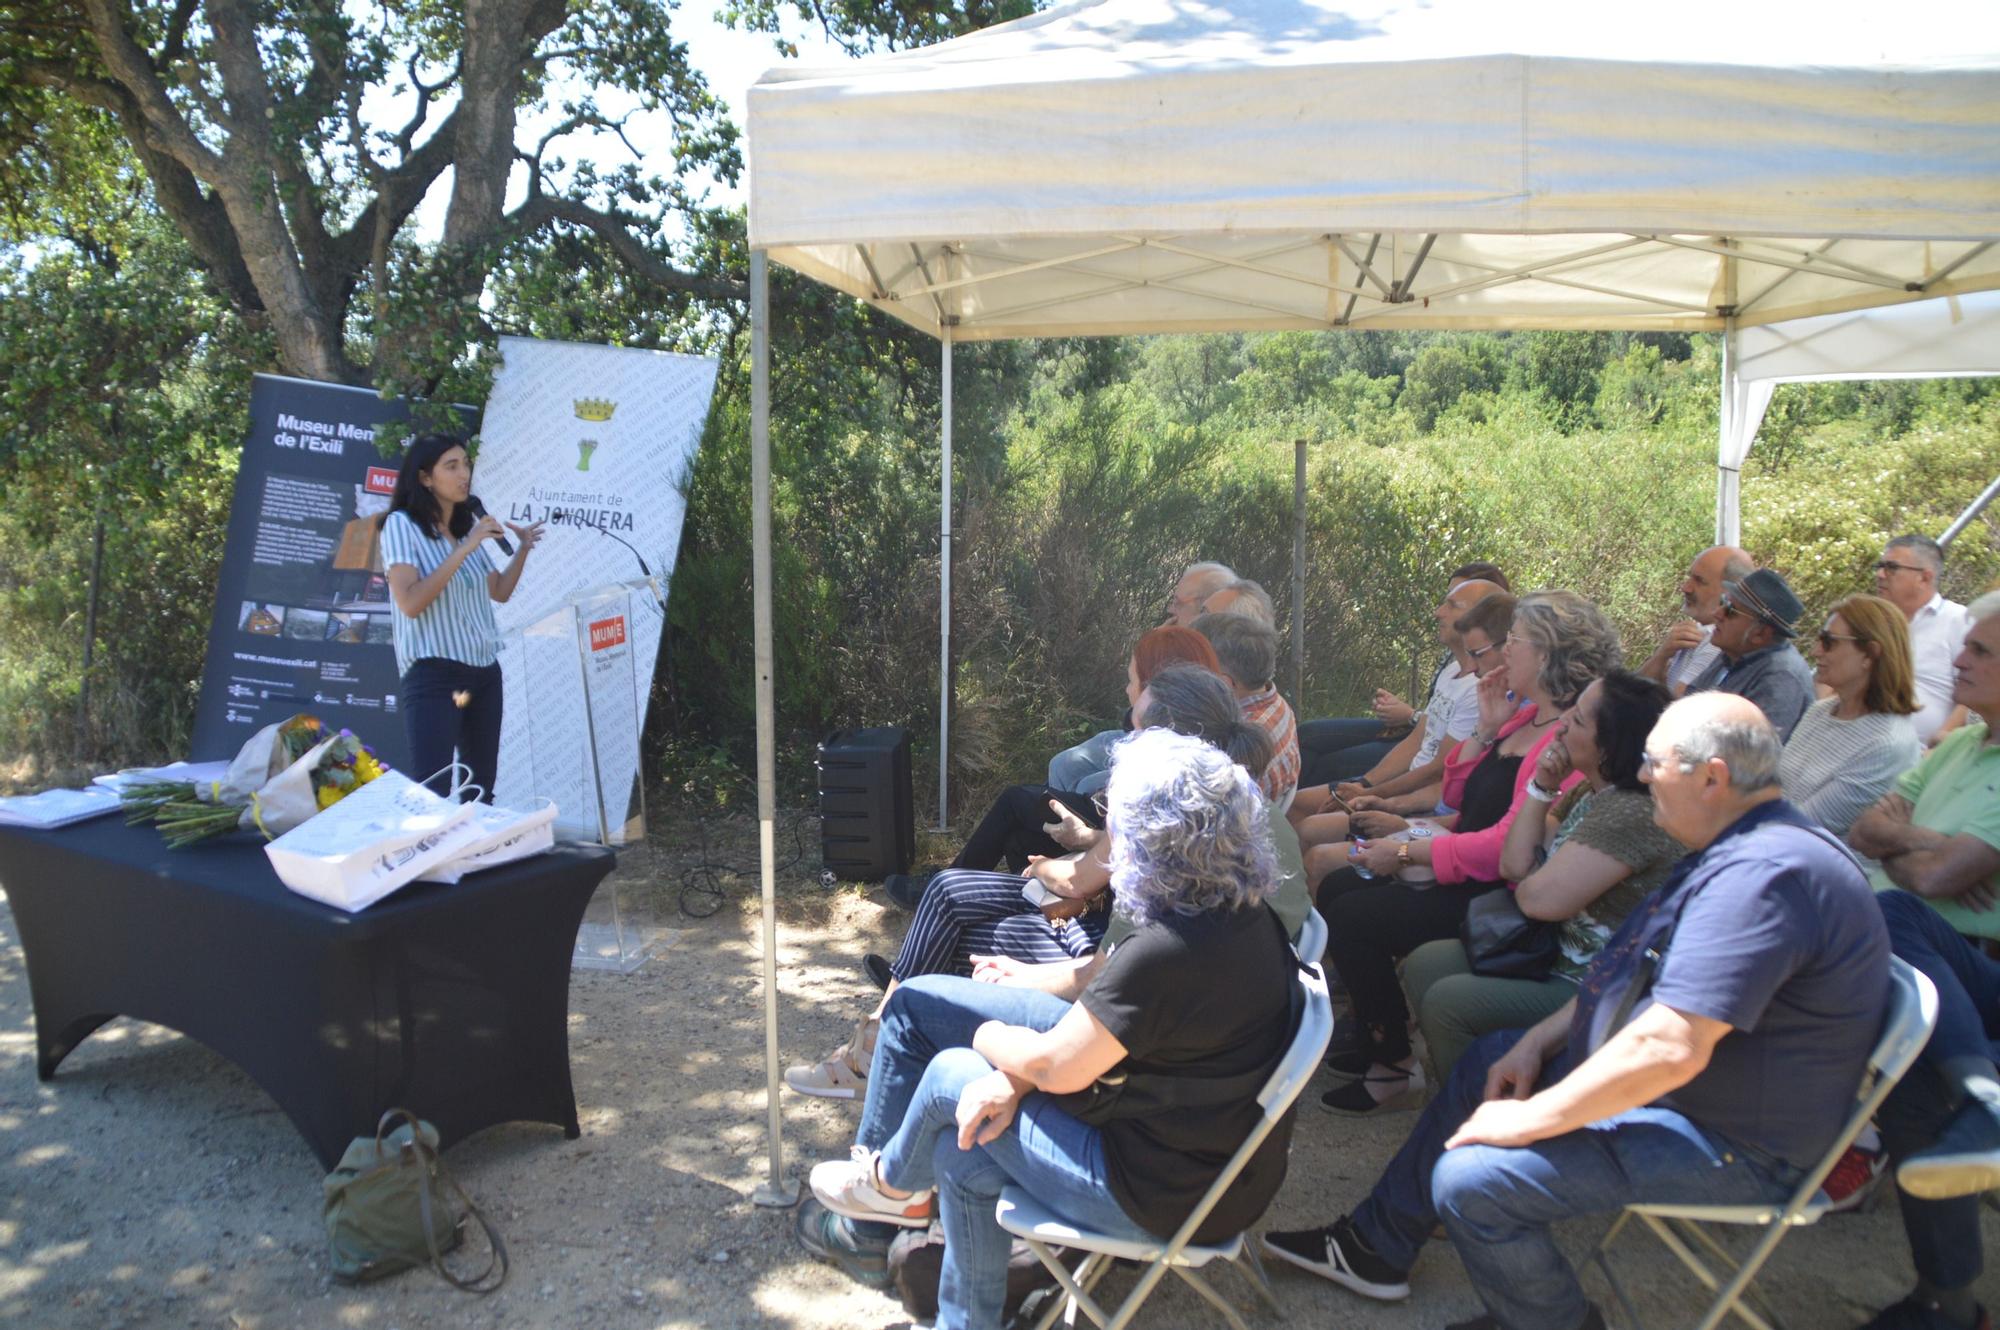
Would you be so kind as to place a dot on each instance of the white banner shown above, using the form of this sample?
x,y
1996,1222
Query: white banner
x,y
602,440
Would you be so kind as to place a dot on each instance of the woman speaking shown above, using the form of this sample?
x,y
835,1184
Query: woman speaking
x,y
444,586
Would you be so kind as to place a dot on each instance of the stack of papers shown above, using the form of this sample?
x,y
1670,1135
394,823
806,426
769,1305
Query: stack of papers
x,y
195,773
57,808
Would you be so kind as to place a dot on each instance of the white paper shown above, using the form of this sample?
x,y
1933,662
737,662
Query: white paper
x,y
194,773
56,808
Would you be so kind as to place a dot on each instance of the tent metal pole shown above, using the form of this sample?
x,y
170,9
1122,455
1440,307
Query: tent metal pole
x,y
1298,572
1728,479
944,590
776,1189
1972,510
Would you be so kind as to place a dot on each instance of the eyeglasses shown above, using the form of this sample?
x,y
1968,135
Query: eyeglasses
x,y
1650,764
1730,611
1480,651
1826,639
1891,566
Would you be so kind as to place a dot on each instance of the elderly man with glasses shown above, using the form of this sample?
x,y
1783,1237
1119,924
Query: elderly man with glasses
x,y
1907,577
1760,962
1754,633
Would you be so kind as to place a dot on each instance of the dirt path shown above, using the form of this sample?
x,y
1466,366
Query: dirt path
x,y
151,1184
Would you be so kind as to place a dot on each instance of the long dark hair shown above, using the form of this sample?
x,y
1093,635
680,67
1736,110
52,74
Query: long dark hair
x,y
1628,707
413,498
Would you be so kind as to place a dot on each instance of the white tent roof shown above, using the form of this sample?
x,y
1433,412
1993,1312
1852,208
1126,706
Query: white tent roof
x,y
1121,166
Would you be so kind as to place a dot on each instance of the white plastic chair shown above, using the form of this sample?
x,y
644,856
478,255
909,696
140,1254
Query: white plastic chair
x,y
1312,937
1906,1028
1028,1219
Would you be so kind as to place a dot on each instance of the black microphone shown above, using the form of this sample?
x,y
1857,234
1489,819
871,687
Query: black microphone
x,y
558,517
478,510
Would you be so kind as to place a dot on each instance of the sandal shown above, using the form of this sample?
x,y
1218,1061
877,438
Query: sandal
x,y
843,1073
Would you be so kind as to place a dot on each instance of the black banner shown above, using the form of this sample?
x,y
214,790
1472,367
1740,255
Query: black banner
x,y
302,609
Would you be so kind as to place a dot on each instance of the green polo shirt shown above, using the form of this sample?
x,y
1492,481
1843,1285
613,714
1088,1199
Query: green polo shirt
x,y
1956,790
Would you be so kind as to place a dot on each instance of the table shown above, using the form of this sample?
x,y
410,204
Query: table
x,y
451,1001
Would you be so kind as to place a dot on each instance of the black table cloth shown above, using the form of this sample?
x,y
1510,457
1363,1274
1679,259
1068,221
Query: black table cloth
x,y
451,1001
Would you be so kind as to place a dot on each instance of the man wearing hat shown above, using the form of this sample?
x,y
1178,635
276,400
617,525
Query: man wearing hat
x,y
1758,661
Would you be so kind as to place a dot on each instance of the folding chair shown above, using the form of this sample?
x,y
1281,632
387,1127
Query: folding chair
x,y
1312,937
1040,1227
1913,1008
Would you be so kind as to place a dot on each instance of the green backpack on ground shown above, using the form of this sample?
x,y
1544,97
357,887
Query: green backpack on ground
x,y
386,1208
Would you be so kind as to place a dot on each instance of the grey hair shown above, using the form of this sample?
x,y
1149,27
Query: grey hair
x,y
1749,748
1252,600
1247,649
1218,573
1737,566
1578,642
1190,832
1983,607
1928,551
1188,699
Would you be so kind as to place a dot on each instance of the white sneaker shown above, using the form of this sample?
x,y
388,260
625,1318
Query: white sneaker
x,y
847,1187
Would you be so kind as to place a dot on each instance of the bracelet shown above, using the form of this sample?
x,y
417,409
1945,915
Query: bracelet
x,y
1365,783
1536,792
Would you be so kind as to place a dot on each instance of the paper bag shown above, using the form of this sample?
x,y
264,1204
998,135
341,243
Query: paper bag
x,y
507,835
380,838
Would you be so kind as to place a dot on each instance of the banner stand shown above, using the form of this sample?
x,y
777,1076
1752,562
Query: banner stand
x,y
580,746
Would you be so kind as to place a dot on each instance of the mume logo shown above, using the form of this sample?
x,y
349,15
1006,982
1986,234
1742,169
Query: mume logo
x,y
607,633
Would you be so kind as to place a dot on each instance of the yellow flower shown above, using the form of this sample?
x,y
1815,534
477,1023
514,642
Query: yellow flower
x,y
328,795
366,768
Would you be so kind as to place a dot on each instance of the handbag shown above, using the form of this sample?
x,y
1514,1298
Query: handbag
x,y
1502,943
386,1209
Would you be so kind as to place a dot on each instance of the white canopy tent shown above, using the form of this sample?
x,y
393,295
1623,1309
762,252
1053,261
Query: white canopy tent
x,y
1955,337
1147,166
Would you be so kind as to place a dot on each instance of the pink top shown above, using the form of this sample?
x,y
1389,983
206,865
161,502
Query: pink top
x,y
1474,856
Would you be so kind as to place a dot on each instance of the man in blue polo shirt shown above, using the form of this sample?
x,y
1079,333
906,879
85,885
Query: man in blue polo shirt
x,y
1710,1055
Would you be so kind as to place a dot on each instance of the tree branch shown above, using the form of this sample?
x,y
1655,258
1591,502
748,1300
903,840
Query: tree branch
x,y
541,209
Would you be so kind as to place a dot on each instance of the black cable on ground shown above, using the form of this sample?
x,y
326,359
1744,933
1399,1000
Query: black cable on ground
x,y
703,892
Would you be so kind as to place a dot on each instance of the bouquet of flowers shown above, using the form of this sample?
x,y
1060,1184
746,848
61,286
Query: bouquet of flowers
x,y
282,776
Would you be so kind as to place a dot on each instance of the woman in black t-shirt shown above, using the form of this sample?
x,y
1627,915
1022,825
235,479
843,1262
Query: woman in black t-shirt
x,y
1119,1111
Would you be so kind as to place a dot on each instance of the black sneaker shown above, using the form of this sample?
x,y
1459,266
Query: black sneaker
x,y
832,1239
1337,1252
1593,1321
906,889
1914,1314
877,969
1963,1161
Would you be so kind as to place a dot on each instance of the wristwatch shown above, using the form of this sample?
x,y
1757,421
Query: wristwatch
x,y
1538,792
1403,852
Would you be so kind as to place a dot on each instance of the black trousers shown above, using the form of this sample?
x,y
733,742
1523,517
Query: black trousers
x,y
1012,827
1371,924
438,726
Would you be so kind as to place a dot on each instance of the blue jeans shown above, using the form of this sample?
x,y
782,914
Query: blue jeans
x,y
1499,1204
922,1062
1085,768
1944,1235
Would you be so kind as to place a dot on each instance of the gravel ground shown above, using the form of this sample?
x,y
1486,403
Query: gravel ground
x,y
152,1184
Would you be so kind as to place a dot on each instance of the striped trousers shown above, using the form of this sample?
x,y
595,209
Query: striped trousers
x,y
965,912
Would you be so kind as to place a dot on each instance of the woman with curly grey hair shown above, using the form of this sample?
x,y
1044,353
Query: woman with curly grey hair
x,y
1049,1094
1412,883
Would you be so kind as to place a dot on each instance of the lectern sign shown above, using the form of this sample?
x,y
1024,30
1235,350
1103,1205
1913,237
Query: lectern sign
x,y
607,633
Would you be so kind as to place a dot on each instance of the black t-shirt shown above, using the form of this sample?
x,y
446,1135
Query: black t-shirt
x,y
1201,996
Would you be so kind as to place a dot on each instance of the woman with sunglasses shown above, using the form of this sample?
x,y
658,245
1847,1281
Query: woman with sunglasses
x,y
1849,748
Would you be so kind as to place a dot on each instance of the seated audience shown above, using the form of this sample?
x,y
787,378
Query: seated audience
x,y
1686,650
1559,643
1248,651
1757,659
1243,597
1084,767
1477,636
1015,828
976,1087
1580,870
1941,1123
1907,577
1936,834
1847,748
1710,1055
966,914
1343,749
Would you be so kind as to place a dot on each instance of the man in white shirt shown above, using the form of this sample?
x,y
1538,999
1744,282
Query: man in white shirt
x,y
1686,651
1907,577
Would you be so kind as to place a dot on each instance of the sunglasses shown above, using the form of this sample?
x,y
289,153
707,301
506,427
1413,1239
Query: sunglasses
x,y
1826,639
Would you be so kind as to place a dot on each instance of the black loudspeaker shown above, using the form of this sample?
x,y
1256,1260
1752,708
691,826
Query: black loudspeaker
x,y
867,829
